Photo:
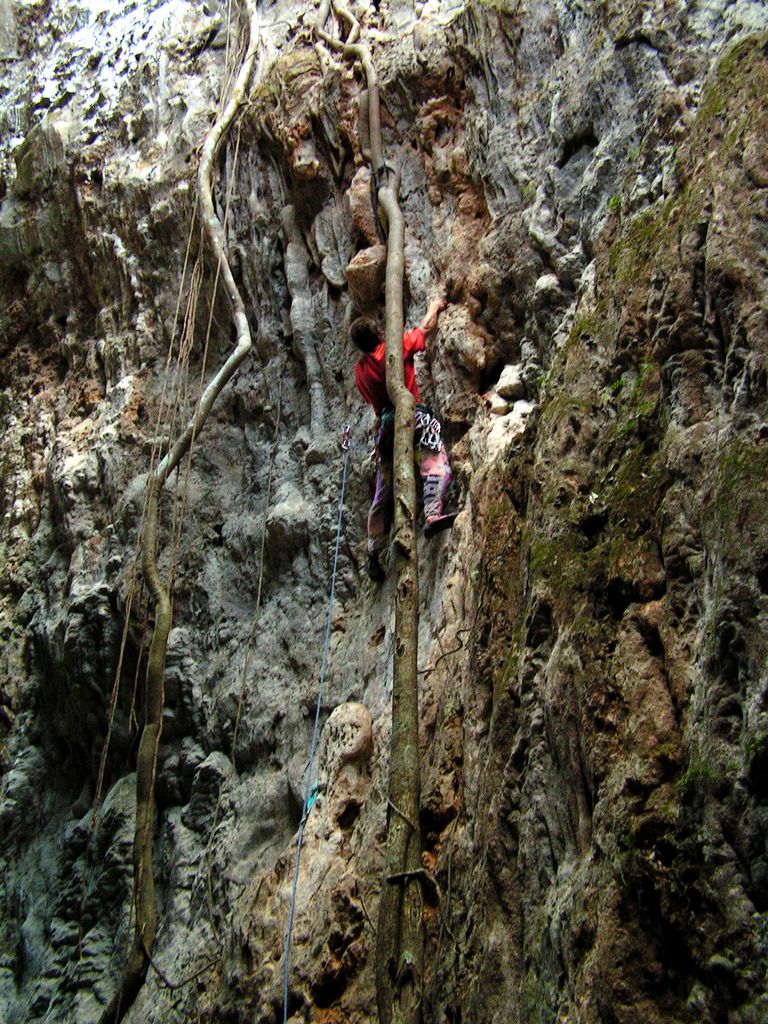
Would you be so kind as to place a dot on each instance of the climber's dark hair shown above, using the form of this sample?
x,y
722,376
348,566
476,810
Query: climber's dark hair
x,y
364,334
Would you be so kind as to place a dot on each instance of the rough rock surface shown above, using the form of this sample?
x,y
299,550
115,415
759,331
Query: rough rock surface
x,y
588,184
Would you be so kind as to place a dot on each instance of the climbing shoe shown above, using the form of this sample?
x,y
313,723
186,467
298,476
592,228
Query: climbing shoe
x,y
374,568
440,523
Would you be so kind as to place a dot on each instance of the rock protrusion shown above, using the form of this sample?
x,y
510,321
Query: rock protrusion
x,y
365,275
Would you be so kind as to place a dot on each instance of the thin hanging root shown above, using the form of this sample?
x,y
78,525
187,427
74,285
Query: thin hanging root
x,y
165,404
246,658
400,934
139,956
133,578
262,553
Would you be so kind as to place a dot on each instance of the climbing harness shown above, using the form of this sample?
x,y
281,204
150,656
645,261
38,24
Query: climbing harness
x,y
310,788
427,429
427,432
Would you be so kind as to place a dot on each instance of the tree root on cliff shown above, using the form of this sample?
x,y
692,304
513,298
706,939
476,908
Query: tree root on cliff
x,y
140,954
400,929
167,407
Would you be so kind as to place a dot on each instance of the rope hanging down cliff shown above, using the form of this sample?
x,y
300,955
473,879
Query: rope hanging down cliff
x,y
400,938
137,961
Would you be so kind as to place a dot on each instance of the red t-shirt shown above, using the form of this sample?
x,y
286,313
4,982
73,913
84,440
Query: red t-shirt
x,y
370,371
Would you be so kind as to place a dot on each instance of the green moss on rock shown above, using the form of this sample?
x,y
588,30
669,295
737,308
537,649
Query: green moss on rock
x,y
638,244
738,81
739,496
287,85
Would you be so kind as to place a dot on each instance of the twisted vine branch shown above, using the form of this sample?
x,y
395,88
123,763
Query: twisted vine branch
x,y
140,954
400,936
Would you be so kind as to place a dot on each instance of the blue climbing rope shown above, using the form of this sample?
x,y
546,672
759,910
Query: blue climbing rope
x,y
310,788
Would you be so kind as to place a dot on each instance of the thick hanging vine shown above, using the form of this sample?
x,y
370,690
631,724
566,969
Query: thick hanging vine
x,y
400,936
140,953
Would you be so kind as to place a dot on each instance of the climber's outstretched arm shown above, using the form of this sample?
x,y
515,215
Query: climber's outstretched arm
x,y
434,309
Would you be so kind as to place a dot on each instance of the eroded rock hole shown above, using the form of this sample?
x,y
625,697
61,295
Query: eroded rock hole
x,y
349,815
619,595
652,638
758,769
329,987
592,526
583,140
436,818
540,626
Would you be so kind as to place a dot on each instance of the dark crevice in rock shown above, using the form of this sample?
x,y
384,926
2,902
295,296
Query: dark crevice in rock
x,y
758,770
295,1003
641,38
652,638
592,526
762,577
584,140
619,594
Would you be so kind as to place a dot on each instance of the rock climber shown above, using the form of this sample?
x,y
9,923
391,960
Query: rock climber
x,y
429,448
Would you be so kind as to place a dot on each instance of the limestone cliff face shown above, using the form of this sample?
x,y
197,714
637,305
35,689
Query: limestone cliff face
x,y
589,185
